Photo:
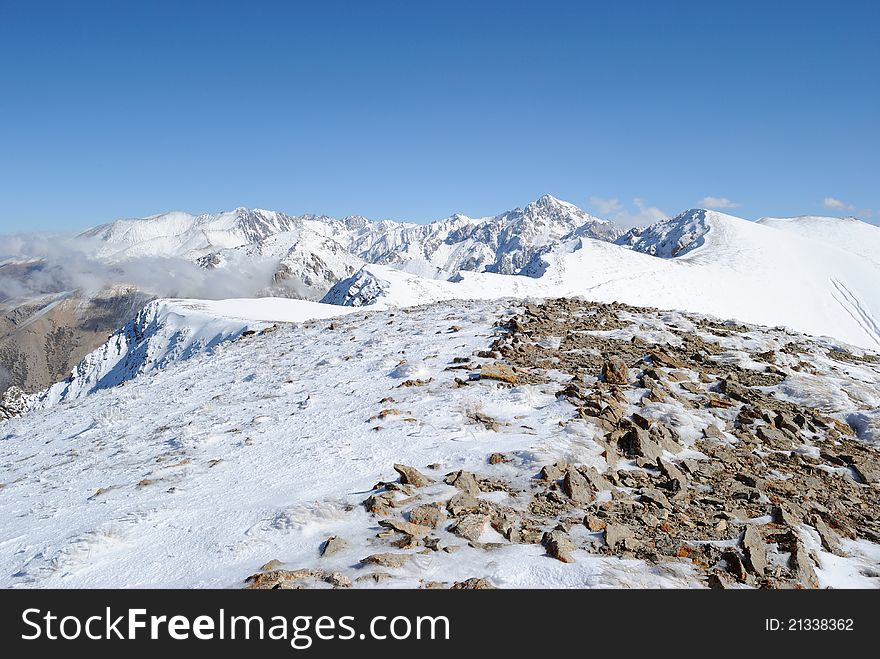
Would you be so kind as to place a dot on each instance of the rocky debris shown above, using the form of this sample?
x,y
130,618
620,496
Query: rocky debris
x,y
576,487
430,515
333,545
759,456
462,503
615,370
471,526
500,372
271,565
295,578
375,577
754,549
559,546
412,476
802,567
464,481
380,504
474,583
387,559
416,531
619,535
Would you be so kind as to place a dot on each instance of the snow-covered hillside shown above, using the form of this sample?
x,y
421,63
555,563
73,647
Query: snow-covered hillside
x,y
267,452
723,265
167,331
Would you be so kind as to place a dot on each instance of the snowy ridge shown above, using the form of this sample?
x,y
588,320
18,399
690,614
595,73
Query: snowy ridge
x,y
167,331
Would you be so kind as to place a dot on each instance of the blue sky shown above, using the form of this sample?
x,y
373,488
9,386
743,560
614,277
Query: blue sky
x,y
416,110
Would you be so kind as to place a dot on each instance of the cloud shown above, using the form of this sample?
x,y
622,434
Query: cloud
x,y
34,264
606,207
717,202
836,204
643,215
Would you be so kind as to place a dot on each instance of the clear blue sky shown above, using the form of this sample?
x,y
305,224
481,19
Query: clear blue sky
x,y
411,111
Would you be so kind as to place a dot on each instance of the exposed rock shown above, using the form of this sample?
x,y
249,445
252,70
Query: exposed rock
x,y
655,496
474,583
754,549
462,503
407,528
576,486
464,481
429,514
615,370
386,560
470,527
498,458
559,546
802,567
333,545
596,480
412,476
636,442
594,523
617,534
379,504
829,538
271,565
500,372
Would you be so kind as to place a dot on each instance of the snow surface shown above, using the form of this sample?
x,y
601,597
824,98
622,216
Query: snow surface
x,y
257,451
728,267
261,449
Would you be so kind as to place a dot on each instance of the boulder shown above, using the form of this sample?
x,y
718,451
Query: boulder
x,y
412,476
615,370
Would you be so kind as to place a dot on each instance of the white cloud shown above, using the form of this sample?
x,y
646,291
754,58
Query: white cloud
x,y
836,204
606,206
717,202
643,216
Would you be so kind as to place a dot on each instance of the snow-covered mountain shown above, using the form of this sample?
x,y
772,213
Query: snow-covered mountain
x,y
526,466
311,253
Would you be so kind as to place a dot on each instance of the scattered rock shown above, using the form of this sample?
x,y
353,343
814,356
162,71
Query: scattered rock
x,y
559,546
474,583
615,370
576,486
500,372
470,527
407,528
464,481
429,514
412,476
386,560
333,545
754,549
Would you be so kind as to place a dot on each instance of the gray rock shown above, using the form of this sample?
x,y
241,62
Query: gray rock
x,y
636,442
576,486
829,538
429,514
470,527
655,496
462,503
802,566
596,480
407,528
386,560
616,534
464,481
333,545
754,549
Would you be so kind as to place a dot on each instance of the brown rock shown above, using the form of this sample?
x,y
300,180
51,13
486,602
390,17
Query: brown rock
x,y
386,560
412,476
615,370
429,514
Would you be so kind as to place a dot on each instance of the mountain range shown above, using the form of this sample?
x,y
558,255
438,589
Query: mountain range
x,y
814,274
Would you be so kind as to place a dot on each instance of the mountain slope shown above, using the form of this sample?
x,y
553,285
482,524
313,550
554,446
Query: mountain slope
x,y
724,266
286,434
